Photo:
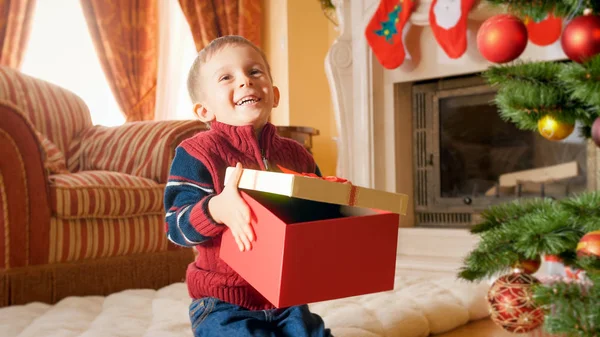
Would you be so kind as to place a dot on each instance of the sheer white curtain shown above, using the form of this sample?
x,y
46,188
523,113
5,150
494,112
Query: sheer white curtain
x,y
60,51
176,54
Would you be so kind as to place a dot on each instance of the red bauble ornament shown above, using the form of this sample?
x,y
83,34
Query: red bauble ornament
x,y
502,38
511,304
581,38
589,245
529,266
544,32
596,132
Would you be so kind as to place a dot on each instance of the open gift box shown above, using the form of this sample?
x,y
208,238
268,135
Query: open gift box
x,y
316,240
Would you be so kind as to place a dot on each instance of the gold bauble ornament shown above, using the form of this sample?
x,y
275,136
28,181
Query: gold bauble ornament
x,y
552,129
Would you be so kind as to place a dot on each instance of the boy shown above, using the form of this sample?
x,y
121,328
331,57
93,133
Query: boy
x,y
231,87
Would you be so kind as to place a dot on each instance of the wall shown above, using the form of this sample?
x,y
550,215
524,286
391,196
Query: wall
x,y
274,38
296,38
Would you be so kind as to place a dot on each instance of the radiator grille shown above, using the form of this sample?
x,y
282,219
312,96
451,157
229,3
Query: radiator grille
x,y
442,219
420,129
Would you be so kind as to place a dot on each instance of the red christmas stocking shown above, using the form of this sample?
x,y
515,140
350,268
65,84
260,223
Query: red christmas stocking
x,y
544,32
384,31
448,21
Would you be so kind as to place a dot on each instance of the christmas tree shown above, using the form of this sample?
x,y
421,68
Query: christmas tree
x,y
550,98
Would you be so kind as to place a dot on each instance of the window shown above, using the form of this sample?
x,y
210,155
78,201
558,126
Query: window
x,y
61,51
179,53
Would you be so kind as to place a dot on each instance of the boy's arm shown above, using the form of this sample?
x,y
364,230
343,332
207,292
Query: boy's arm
x,y
188,190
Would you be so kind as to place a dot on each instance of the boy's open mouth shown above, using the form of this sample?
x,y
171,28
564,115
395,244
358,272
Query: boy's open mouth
x,y
247,100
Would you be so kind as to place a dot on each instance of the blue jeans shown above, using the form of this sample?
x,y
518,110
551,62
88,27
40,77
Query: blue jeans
x,y
213,317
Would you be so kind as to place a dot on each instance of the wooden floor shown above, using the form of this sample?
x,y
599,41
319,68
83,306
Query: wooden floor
x,y
481,328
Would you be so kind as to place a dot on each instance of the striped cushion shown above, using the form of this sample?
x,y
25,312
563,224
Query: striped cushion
x,y
101,194
143,149
54,161
74,240
55,112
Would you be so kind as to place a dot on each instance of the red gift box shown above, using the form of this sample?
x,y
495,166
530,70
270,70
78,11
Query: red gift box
x,y
310,250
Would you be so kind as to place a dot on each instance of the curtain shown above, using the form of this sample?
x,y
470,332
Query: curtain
x,y
175,57
125,35
209,19
15,26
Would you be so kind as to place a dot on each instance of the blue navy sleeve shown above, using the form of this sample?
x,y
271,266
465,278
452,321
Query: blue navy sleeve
x,y
188,191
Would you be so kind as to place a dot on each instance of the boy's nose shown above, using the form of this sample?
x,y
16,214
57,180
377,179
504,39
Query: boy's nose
x,y
245,82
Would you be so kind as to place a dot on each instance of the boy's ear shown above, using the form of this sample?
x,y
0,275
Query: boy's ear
x,y
203,114
275,96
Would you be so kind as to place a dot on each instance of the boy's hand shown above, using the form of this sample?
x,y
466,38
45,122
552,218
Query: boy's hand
x,y
230,209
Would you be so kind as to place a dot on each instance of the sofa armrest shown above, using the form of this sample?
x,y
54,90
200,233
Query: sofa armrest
x,y
143,149
24,197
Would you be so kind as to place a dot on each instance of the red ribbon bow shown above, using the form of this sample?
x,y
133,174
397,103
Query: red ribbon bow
x,y
351,198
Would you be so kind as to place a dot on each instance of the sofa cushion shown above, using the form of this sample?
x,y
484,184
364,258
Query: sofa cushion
x,y
92,238
54,161
143,149
104,194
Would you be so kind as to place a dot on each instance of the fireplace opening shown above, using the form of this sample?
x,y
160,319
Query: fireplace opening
x,y
467,158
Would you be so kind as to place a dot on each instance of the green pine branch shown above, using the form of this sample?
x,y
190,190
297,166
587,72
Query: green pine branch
x,y
480,265
528,229
498,215
585,211
539,9
529,91
571,308
582,83
521,71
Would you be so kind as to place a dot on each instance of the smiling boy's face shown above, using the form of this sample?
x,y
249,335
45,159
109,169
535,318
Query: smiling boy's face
x,y
236,88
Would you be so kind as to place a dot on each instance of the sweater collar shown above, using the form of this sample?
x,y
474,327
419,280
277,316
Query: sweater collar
x,y
242,137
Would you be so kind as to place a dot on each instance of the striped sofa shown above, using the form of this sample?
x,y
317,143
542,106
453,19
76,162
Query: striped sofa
x,y
81,208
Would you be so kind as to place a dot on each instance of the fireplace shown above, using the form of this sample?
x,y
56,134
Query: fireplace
x,y
467,158
380,147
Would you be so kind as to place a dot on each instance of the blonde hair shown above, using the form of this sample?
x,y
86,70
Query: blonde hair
x,y
207,52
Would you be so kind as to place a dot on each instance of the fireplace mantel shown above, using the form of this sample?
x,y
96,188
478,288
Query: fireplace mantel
x,y
364,93
373,118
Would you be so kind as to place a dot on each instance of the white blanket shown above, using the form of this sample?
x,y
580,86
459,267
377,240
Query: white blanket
x,y
417,307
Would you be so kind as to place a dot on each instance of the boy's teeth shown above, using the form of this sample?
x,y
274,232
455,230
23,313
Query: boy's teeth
x,y
247,100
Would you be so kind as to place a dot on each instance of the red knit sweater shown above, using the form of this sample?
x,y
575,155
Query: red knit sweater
x,y
197,174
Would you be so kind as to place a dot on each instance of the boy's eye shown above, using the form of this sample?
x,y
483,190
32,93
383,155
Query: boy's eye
x,y
224,78
255,72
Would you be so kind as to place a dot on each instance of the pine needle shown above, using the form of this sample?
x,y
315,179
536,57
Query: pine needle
x,y
582,81
539,9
